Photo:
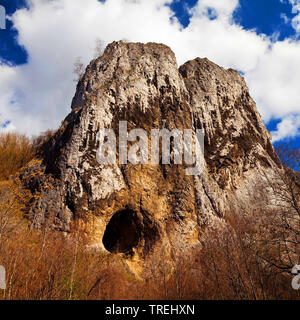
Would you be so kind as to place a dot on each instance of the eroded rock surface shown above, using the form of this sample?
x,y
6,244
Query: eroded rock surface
x,y
141,83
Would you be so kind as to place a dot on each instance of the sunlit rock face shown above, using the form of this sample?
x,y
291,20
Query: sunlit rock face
x,y
133,208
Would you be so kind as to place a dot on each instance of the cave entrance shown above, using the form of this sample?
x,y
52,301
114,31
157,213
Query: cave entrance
x,y
123,232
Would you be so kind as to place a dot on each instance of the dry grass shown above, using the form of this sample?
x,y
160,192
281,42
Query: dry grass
x,y
48,265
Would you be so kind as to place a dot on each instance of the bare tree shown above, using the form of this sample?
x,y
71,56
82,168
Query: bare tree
x,y
78,69
289,156
99,48
277,237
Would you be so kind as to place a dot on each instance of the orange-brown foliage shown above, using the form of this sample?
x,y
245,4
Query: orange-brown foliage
x,y
15,152
48,265
251,259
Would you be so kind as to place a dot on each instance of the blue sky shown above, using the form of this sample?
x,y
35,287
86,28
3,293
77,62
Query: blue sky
x,y
9,49
264,36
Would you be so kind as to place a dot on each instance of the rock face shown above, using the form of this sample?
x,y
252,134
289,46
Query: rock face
x,y
132,208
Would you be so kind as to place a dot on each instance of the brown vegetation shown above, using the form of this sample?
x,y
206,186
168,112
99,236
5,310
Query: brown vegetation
x,y
15,152
49,265
251,259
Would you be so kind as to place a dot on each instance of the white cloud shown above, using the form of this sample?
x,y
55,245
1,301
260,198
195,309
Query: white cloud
x,y
55,32
221,9
275,81
288,127
7,128
296,19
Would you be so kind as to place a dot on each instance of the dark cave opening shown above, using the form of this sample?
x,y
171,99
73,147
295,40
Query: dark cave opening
x,y
123,232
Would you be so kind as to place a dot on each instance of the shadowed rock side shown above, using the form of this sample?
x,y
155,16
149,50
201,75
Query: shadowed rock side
x,y
141,83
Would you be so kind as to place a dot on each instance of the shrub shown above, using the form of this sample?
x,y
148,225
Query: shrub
x,y
15,152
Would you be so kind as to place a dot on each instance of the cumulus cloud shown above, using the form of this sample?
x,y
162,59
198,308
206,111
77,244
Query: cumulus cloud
x,y
288,127
275,81
36,96
222,9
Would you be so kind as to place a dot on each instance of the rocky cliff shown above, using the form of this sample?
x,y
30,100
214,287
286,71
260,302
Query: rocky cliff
x,y
132,208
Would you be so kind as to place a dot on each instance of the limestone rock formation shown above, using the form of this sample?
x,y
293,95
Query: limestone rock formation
x,y
132,208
